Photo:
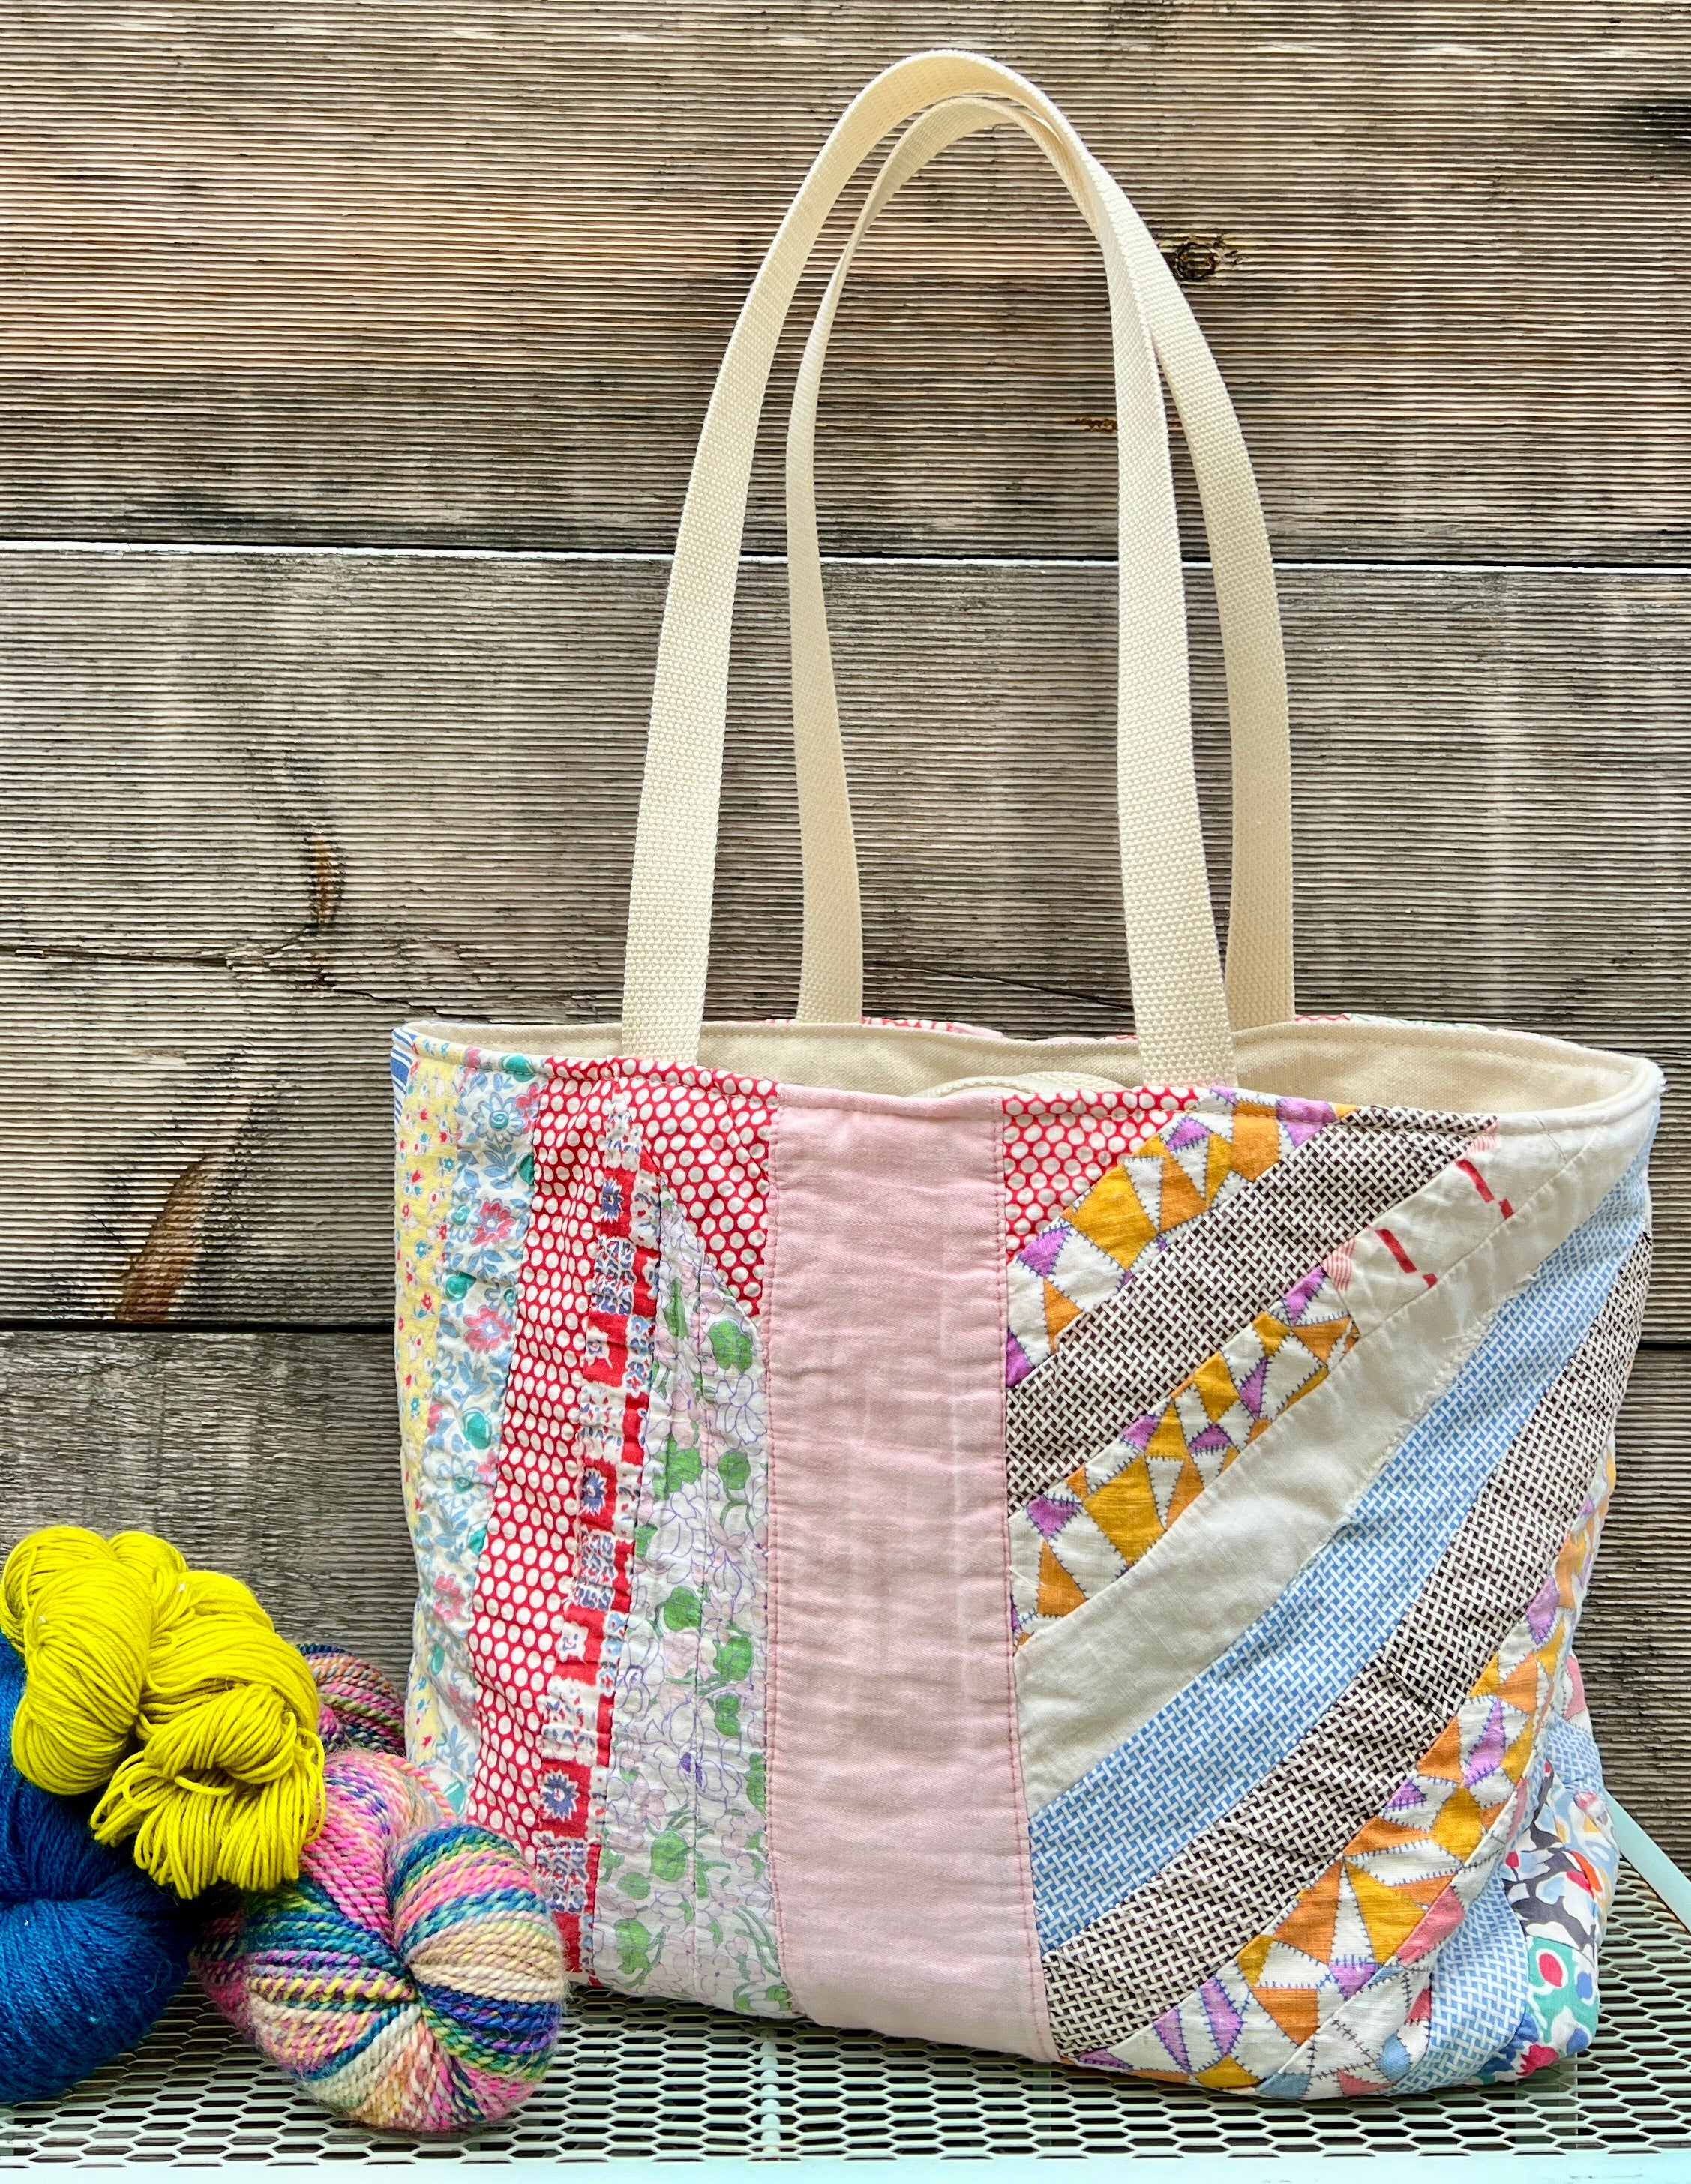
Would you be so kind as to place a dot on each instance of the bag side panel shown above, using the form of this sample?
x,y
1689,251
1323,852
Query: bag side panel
x,y
1237,1774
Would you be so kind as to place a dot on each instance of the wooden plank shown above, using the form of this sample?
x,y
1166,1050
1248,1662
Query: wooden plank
x,y
263,806
1634,1643
399,274
274,1456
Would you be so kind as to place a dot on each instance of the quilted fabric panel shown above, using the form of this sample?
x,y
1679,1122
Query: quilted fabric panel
x,y
1129,1841
1056,1146
897,1831
556,1580
1075,1539
1238,1556
1205,1147
483,1117
1071,1541
1326,1385
1336,1995
684,1904
426,1084
1201,1280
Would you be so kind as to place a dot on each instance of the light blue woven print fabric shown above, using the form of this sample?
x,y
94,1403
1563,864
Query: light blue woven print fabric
x,y
1479,1993
1574,1755
1125,1820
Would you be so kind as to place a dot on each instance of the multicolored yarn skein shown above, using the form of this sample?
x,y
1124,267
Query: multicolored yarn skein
x,y
90,1950
169,1691
412,1977
358,1704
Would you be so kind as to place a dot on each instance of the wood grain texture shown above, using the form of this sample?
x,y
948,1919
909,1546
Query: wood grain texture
x,y
429,274
275,1455
1634,1642
263,805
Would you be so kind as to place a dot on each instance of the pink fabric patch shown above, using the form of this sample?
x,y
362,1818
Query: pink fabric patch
x,y
898,1829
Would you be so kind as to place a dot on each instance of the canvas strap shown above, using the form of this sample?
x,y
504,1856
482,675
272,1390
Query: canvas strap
x,y
1259,961
1180,1004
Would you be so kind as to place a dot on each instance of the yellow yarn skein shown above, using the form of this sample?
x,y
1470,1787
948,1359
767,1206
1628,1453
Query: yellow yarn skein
x,y
172,1689
85,1656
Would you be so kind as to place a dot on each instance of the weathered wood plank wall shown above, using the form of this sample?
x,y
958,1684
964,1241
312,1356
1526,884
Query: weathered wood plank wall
x,y
290,294
313,791
448,273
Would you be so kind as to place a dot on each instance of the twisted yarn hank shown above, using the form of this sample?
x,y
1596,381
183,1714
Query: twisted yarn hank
x,y
358,1705
90,1950
412,1976
171,1690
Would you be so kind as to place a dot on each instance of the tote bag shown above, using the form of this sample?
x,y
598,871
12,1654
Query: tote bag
x,y
1068,1546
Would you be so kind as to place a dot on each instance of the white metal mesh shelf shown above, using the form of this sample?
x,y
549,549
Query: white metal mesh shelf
x,y
645,2079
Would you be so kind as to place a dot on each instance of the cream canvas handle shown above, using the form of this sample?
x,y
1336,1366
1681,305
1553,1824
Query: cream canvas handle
x,y
1179,1001
1258,966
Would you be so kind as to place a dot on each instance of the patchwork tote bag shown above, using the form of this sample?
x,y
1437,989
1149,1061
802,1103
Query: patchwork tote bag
x,y
1068,1546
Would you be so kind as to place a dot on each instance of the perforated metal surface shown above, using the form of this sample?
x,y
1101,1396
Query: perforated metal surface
x,y
641,2079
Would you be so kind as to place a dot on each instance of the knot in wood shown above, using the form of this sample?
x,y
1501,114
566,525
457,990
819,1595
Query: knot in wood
x,y
1192,258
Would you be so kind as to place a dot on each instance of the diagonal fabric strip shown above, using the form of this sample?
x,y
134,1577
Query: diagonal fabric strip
x,y
1163,1786
1212,1275
1242,1874
1070,1544
1091,1682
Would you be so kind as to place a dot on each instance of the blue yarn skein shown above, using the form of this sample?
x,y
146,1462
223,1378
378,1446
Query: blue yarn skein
x,y
90,1950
